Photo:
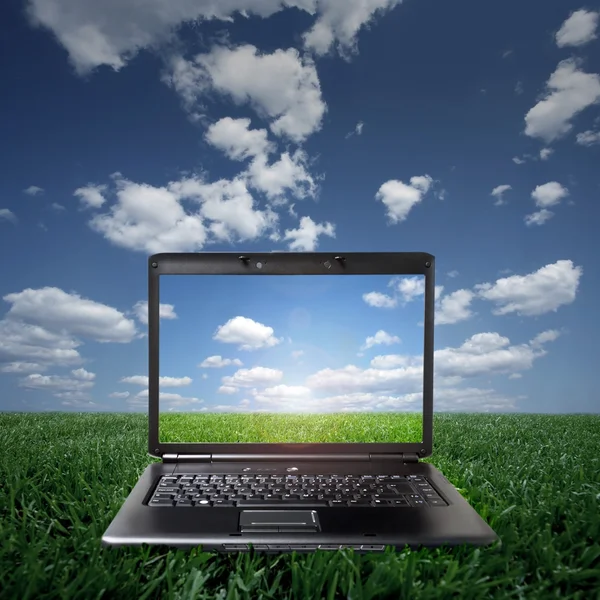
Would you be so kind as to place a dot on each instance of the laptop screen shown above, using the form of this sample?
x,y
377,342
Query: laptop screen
x,y
291,358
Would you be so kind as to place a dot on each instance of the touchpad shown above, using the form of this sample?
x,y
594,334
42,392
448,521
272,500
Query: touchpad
x,y
269,521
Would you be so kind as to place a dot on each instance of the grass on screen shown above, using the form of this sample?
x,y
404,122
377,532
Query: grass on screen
x,y
290,428
535,479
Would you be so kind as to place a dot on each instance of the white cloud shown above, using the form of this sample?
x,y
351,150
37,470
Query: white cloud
x,y
58,207
22,367
174,381
119,395
409,287
569,91
136,380
393,361
588,138
255,377
23,344
162,381
498,193
338,24
7,215
546,336
91,195
83,375
228,389
165,311
235,138
379,300
218,362
357,130
517,160
229,205
537,293
59,312
538,218
282,87
351,378
33,190
454,307
283,394
170,397
473,399
57,384
549,194
399,197
168,401
545,153
452,274
380,338
578,29
245,332
519,88
288,174
290,398
297,353
486,354
305,238
113,33
150,220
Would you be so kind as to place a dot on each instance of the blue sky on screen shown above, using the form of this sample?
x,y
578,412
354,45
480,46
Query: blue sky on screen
x,y
308,344
468,130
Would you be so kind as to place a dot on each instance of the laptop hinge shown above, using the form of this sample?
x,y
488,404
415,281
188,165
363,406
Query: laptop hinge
x,y
213,458
186,458
405,457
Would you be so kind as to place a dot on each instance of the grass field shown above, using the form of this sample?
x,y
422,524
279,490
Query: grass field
x,y
535,479
289,428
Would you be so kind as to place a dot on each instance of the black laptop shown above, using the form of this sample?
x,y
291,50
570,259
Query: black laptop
x,y
290,402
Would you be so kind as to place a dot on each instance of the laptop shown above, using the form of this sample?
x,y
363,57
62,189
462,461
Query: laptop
x,y
290,404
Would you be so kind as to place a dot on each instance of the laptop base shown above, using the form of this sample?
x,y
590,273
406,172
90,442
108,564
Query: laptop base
x,y
231,529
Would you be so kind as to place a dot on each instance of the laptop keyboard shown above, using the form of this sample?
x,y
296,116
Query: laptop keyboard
x,y
295,491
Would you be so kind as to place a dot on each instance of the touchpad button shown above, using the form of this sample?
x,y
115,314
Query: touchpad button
x,y
269,521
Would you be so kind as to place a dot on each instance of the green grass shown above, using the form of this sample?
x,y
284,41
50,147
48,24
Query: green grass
x,y
535,479
290,428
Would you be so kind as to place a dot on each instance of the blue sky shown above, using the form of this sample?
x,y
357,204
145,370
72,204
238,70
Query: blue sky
x,y
314,125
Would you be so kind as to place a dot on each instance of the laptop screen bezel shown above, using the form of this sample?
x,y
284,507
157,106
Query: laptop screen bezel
x,y
289,263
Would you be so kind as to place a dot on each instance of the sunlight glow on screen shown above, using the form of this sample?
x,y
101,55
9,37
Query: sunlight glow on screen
x,y
298,358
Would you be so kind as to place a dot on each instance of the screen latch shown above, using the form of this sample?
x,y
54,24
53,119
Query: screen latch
x,y
186,458
405,457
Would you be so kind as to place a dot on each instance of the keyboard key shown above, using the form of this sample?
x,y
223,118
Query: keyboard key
x,y
161,496
223,503
161,502
434,502
184,502
167,490
281,503
419,502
